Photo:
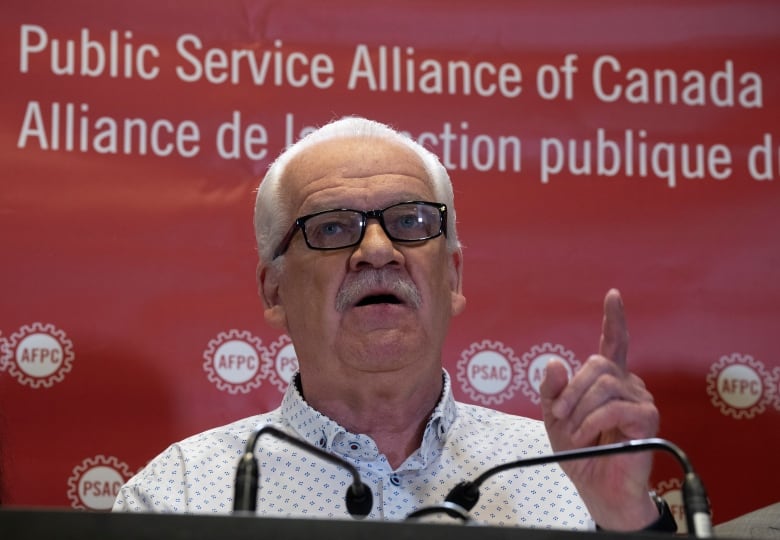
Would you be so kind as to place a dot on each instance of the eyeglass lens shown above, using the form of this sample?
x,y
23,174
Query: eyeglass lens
x,y
406,222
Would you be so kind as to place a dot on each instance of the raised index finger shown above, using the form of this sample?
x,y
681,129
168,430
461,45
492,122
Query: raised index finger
x,y
614,332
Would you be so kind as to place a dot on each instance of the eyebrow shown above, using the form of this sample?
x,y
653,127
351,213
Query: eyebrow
x,y
396,199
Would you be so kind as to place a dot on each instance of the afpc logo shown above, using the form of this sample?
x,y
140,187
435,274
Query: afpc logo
x,y
38,355
284,359
671,491
739,386
95,483
236,361
489,372
535,361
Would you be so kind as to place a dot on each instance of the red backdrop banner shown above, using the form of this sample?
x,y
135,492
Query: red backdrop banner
x,y
591,145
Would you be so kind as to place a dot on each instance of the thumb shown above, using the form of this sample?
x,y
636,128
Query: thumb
x,y
556,377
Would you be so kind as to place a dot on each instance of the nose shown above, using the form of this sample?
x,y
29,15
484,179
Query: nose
x,y
376,249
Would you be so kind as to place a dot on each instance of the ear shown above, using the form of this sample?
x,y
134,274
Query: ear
x,y
268,289
456,282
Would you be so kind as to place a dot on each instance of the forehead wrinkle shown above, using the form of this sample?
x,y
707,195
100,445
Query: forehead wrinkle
x,y
330,165
314,168
363,195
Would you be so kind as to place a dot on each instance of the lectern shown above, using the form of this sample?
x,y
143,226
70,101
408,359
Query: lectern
x,y
82,525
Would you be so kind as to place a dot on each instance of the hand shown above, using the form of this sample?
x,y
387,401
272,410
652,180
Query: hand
x,y
604,403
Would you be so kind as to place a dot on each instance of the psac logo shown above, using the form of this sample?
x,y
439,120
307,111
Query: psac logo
x,y
237,362
740,386
489,372
95,483
535,361
282,354
38,355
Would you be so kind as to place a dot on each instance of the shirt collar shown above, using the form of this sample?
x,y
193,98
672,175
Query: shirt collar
x,y
323,432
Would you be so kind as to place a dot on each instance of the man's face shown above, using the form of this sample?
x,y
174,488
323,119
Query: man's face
x,y
340,320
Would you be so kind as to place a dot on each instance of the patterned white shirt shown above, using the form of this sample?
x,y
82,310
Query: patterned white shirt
x,y
460,442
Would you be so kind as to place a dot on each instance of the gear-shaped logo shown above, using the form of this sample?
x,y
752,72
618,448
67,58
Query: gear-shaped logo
x,y
4,353
283,357
739,386
776,385
236,361
38,355
95,483
671,491
535,361
489,372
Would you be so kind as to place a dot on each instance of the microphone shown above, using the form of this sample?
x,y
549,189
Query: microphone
x,y
697,509
359,499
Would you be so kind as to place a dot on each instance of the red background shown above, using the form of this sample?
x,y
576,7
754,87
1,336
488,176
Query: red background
x,y
142,260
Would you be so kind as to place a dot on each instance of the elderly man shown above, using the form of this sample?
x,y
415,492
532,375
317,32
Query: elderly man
x,y
360,264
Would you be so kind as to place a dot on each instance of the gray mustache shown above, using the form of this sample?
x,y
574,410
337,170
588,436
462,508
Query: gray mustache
x,y
366,281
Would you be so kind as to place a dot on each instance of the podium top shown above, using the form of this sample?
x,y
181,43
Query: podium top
x,y
83,525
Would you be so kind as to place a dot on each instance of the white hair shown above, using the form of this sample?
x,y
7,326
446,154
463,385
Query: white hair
x,y
271,214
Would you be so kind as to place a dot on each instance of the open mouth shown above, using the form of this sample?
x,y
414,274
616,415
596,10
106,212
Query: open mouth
x,y
374,299
391,290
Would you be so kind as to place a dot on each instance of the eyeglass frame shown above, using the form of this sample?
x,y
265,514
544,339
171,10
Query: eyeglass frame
x,y
378,214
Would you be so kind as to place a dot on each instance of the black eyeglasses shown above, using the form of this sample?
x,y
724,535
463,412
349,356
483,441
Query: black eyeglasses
x,y
412,221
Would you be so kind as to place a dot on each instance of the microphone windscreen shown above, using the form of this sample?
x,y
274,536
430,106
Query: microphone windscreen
x,y
359,502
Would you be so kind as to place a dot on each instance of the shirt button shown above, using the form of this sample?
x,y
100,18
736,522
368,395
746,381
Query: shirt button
x,y
395,480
